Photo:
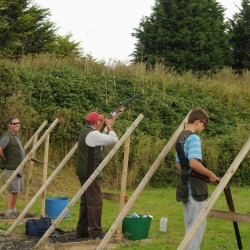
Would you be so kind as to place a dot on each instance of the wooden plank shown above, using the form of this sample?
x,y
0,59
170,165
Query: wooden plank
x,y
112,197
45,174
123,194
26,146
232,216
30,173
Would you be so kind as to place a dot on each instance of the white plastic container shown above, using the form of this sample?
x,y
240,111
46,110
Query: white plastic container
x,y
163,224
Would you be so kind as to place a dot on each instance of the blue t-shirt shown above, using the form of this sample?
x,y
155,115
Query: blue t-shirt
x,y
192,150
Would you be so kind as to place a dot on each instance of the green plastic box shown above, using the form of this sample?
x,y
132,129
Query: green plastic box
x,y
136,228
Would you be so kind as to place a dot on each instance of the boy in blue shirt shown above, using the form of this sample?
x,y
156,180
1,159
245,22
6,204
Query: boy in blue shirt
x,y
192,183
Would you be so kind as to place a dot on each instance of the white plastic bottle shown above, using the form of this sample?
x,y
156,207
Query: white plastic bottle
x,y
163,224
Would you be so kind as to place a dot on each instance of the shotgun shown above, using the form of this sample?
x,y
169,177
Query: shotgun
x,y
41,162
230,204
112,114
33,159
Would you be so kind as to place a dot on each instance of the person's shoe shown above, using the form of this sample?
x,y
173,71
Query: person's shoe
x,y
15,213
82,236
102,235
9,216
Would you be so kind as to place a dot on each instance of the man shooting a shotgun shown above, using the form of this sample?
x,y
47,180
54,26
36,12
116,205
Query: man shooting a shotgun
x,y
97,133
91,140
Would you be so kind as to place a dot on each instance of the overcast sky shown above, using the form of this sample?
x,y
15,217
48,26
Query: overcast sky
x,y
104,27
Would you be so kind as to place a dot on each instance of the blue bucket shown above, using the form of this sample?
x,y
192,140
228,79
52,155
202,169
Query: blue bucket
x,y
54,206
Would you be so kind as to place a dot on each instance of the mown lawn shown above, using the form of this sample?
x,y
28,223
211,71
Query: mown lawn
x,y
161,203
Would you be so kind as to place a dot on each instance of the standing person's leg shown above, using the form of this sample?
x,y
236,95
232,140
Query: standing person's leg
x,y
17,187
13,207
11,195
94,204
192,209
14,200
9,199
82,225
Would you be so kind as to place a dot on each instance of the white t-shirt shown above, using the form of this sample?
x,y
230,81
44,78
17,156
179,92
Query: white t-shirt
x,y
95,138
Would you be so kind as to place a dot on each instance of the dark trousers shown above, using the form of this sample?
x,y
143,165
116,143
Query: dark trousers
x,y
90,214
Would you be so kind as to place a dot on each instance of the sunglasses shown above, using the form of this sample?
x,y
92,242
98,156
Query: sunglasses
x,y
204,122
15,123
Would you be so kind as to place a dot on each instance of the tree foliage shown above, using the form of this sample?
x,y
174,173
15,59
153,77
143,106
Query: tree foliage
x,y
185,35
25,29
240,37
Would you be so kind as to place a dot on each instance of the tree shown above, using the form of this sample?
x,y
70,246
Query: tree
x,y
25,29
240,37
185,35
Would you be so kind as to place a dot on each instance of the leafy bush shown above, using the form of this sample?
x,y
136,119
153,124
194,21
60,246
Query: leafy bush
x,y
43,88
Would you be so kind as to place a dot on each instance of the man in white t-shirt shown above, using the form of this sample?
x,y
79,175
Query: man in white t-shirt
x,y
90,155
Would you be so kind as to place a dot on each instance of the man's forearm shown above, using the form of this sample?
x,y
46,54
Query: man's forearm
x,y
199,168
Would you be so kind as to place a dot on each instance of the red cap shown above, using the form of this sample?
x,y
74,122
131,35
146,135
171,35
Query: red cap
x,y
94,117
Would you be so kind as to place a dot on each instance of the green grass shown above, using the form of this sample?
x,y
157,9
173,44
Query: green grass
x,y
161,203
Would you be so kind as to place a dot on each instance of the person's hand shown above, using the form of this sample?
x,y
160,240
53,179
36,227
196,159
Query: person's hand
x,y
214,178
108,122
121,109
114,115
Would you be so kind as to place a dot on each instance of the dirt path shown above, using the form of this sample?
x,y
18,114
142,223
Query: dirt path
x,y
65,241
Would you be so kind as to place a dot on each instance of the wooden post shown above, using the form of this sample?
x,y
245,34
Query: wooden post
x,y
123,184
2,175
141,186
28,143
45,174
41,190
89,181
219,189
28,156
30,173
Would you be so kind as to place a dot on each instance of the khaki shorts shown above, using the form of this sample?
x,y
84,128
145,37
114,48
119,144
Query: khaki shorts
x,y
16,185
